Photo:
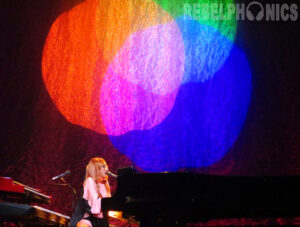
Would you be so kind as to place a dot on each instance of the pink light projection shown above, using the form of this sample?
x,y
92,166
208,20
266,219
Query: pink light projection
x,y
141,83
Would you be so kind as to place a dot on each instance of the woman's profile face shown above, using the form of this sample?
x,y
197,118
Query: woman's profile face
x,y
102,170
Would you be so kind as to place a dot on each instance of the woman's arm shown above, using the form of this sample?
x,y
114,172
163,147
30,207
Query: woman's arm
x,y
91,195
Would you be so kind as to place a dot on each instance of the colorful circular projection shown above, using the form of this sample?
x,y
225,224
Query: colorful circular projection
x,y
169,89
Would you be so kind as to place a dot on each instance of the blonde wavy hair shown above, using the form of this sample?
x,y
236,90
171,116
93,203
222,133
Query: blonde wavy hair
x,y
93,171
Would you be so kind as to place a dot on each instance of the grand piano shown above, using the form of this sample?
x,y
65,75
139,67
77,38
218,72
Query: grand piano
x,y
18,206
173,199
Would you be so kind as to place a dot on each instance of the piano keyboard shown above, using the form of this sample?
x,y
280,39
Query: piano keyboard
x,y
32,215
34,194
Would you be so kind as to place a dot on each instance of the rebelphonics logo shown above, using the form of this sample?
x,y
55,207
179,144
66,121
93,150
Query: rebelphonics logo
x,y
253,11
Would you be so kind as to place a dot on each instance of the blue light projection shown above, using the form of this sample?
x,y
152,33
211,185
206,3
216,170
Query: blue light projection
x,y
203,124
206,50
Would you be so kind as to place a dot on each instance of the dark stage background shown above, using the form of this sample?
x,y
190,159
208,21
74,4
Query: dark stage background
x,y
37,142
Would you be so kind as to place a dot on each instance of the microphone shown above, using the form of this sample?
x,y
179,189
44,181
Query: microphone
x,y
111,174
68,172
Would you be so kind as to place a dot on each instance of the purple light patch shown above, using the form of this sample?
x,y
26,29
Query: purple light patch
x,y
142,81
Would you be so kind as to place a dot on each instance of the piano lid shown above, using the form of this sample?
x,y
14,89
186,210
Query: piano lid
x,y
7,185
195,197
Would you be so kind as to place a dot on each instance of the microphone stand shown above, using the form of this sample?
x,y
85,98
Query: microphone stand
x,y
72,189
67,184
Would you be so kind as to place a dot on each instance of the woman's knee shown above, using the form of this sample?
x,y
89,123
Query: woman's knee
x,y
82,224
